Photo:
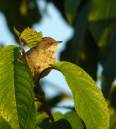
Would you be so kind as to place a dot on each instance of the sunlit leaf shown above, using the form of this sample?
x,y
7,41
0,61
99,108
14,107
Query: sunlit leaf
x,y
58,116
16,92
74,120
89,101
31,37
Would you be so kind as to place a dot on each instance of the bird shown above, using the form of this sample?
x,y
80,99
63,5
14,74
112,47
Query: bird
x,y
42,56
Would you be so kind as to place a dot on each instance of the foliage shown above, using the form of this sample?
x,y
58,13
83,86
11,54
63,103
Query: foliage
x,y
17,83
93,41
87,96
16,94
92,44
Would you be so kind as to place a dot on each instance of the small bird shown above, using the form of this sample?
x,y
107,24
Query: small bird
x,y
42,56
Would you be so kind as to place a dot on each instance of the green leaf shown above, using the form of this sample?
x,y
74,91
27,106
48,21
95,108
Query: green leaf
x,y
71,9
67,121
60,124
89,102
102,10
17,32
112,119
102,31
31,37
57,116
71,117
16,92
74,120
4,124
40,117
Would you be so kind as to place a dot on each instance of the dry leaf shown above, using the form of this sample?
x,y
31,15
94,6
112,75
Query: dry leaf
x,y
42,56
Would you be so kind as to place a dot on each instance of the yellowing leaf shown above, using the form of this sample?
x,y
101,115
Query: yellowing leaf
x,y
31,37
42,56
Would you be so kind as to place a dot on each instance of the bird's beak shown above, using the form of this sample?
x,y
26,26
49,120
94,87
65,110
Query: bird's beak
x,y
59,41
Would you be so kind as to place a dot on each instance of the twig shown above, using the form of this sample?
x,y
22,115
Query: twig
x,y
40,95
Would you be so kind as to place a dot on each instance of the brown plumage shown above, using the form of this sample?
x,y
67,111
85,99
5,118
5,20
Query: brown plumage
x,y
42,56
